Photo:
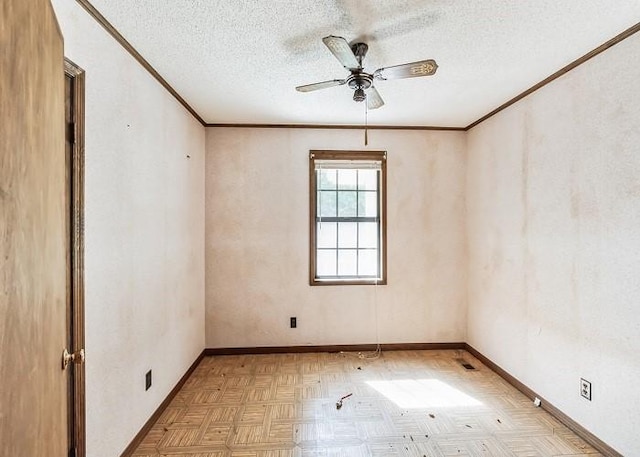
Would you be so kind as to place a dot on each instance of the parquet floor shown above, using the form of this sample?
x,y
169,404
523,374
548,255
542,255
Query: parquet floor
x,y
404,403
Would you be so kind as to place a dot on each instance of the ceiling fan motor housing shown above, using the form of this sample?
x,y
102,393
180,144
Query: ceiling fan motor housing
x,y
359,80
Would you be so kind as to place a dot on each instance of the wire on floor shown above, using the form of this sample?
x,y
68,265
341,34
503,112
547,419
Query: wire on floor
x,y
372,355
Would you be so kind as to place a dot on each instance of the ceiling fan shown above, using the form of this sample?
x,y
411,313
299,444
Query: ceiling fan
x,y
351,57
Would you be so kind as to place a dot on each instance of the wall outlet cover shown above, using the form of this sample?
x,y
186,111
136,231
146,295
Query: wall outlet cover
x,y
585,389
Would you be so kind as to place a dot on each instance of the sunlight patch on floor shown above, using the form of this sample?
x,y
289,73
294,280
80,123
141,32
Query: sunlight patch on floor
x,y
423,393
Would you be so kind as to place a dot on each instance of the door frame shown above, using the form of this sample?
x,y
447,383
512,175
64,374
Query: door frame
x,y
75,172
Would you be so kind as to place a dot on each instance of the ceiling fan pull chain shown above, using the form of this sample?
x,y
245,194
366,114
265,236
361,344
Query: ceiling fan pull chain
x,y
366,123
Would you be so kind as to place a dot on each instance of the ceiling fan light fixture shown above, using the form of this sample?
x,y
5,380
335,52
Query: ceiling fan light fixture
x,y
359,95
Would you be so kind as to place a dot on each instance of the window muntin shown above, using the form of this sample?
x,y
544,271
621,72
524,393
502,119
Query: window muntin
x,y
348,230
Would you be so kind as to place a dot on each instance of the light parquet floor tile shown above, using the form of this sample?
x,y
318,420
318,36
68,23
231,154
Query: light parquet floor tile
x,y
403,403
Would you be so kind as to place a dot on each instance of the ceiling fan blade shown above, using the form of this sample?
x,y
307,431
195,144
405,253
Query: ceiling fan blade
x,y
407,70
374,100
321,85
340,48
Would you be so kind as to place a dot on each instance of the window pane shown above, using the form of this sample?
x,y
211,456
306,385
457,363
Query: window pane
x,y
348,213
367,235
347,235
326,233
327,179
368,262
347,179
327,203
368,179
367,204
347,201
326,259
347,262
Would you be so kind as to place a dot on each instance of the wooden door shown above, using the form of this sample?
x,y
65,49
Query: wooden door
x,y
33,232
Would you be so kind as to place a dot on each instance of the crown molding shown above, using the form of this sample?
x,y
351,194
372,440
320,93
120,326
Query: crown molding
x,y
136,55
564,70
100,19
337,126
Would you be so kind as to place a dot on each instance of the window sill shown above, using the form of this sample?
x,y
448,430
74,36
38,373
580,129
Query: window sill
x,y
348,282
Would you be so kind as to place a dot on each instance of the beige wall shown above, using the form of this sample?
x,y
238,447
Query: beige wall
x,y
257,241
144,235
550,224
553,198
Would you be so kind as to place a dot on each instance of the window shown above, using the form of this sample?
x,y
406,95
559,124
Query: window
x,y
347,217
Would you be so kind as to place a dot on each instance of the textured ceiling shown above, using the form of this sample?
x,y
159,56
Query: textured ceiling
x,y
238,61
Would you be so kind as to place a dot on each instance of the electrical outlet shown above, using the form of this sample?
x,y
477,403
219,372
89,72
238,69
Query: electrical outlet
x,y
293,322
147,380
585,389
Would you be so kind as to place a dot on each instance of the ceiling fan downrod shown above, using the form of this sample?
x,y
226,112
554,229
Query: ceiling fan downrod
x,y
359,80
360,51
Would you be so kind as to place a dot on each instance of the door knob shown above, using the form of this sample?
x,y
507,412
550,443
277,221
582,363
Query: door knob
x,y
76,357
